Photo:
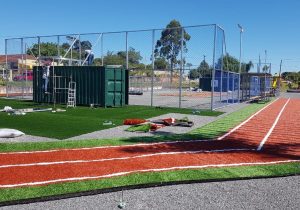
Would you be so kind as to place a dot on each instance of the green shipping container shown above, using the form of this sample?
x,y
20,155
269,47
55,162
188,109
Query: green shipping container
x,y
103,86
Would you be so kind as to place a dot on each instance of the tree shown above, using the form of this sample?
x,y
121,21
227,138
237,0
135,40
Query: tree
x,y
203,69
160,63
169,44
134,57
46,48
84,45
231,63
119,58
265,68
194,74
246,66
113,59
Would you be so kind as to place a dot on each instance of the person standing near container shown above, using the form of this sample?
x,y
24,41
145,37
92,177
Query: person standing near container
x,y
46,73
89,57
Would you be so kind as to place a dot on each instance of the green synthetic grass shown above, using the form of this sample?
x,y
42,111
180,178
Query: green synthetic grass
x,y
209,131
73,122
152,178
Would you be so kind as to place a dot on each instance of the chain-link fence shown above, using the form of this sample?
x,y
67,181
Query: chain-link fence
x,y
172,67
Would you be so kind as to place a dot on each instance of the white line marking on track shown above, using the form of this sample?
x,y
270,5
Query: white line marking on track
x,y
272,128
243,123
106,147
120,158
141,171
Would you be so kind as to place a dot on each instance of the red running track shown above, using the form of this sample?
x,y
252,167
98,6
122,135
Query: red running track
x,y
279,122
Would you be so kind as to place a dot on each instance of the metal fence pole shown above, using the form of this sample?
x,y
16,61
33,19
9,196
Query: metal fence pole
x,y
127,50
39,49
181,66
233,76
6,66
152,57
221,86
79,38
102,49
227,86
214,70
22,66
58,48
240,63
25,65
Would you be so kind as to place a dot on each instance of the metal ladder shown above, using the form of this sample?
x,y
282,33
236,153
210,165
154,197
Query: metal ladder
x,y
71,95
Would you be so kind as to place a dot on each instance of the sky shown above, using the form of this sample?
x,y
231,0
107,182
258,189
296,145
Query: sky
x,y
271,26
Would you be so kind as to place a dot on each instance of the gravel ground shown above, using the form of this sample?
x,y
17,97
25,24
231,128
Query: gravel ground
x,y
273,193
26,138
199,121
119,131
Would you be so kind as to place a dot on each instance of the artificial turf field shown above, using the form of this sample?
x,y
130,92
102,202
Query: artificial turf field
x,y
211,130
81,120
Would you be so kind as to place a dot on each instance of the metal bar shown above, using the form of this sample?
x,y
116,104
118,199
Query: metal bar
x,y
181,66
214,70
95,44
240,65
233,87
152,57
93,33
126,37
6,66
227,85
39,46
221,85
102,49
22,62
79,50
26,63
70,48
58,47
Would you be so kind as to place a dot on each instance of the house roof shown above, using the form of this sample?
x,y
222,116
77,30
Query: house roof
x,y
15,57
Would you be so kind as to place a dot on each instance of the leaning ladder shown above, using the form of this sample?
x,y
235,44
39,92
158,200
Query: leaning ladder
x,y
71,95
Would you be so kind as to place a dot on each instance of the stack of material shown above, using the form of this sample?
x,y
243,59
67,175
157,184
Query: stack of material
x,y
142,125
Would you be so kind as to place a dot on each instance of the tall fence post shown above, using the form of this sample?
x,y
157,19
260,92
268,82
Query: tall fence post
x,y
152,57
214,71
127,65
221,85
227,86
39,49
6,66
233,76
22,64
181,65
58,48
79,38
102,49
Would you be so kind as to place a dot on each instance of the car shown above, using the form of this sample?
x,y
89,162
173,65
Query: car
x,y
23,76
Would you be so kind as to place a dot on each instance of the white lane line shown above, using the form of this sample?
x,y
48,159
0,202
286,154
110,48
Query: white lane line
x,y
243,123
272,128
106,147
141,171
121,158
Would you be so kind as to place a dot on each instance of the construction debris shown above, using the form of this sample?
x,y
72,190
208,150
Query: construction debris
x,y
12,111
10,133
142,125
